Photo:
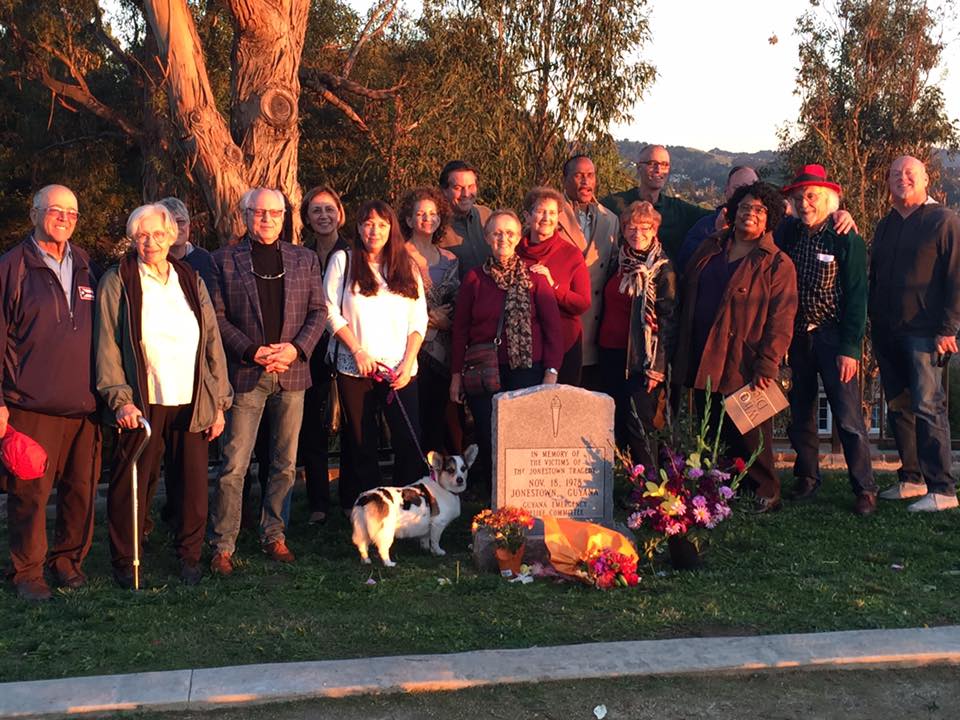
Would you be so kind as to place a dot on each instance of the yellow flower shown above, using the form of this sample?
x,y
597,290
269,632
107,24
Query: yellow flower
x,y
672,505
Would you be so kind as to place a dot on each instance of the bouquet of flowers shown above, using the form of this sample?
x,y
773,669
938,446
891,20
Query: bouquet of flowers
x,y
608,569
508,526
689,494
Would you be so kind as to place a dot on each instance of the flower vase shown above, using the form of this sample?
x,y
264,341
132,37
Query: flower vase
x,y
509,562
683,553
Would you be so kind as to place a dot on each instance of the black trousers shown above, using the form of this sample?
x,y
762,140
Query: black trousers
x,y
762,476
188,450
73,465
362,399
635,408
441,418
569,371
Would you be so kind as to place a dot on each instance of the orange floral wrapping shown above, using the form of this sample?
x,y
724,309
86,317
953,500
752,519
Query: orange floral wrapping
x,y
570,541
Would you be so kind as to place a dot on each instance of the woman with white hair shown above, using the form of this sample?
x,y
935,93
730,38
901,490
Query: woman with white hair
x,y
159,355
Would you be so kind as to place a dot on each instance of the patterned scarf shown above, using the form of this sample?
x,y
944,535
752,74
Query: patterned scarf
x,y
514,278
639,282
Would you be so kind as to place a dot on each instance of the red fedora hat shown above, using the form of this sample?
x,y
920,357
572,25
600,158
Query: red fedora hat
x,y
811,175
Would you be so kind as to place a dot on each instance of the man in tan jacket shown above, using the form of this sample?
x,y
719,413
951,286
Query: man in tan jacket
x,y
595,231
464,235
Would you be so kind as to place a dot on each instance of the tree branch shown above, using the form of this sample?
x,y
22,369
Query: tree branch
x,y
36,68
388,8
314,79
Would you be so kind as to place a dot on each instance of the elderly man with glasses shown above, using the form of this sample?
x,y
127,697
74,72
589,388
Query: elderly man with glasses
x,y
47,285
270,308
828,333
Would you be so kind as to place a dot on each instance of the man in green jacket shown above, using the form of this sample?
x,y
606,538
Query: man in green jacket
x,y
828,334
678,216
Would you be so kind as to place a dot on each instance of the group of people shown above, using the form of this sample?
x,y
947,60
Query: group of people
x,y
438,305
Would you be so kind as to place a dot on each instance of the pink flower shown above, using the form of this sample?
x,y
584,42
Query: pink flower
x,y
636,471
701,515
635,520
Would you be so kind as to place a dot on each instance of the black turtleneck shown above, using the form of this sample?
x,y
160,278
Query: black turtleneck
x,y
268,263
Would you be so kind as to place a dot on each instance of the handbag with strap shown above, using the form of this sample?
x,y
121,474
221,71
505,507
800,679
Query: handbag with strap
x,y
333,412
481,364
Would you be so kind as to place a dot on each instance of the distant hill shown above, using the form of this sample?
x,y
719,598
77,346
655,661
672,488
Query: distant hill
x,y
700,176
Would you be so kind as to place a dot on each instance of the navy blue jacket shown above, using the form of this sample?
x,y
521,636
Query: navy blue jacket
x,y
48,350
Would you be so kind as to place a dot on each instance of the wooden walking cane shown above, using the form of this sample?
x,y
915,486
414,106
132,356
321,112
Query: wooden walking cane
x,y
136,500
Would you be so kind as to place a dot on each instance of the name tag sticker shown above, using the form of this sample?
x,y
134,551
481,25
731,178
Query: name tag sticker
x,y
85,293
823,257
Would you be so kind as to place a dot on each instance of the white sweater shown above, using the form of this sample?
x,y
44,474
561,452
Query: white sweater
x,y
382,322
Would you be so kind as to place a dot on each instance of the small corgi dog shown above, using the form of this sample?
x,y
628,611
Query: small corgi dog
x,y
421,510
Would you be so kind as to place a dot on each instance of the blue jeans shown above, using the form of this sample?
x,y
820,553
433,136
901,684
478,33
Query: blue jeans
x,y
812,355
916,409
285,411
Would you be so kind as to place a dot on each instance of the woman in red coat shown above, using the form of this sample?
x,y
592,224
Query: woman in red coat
x,y
561,263
502,301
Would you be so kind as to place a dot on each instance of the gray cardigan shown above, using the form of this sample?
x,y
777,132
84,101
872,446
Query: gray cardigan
x,y
120,364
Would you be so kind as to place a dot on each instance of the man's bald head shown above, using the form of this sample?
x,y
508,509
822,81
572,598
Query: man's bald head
x,y
908,181
54,214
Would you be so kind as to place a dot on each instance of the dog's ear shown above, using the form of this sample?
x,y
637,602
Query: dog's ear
x,y
435,460
470,454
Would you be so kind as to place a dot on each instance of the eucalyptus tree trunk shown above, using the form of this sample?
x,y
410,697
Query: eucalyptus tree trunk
x,y
259,146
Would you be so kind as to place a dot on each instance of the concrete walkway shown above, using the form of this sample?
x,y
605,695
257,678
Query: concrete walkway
x,y
218,687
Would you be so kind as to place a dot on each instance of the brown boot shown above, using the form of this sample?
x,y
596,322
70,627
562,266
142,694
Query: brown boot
x,y
866,504
221,564
278,550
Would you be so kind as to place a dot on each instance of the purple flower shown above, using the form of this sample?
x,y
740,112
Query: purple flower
x,y
695,473
635,520
699,501
725,492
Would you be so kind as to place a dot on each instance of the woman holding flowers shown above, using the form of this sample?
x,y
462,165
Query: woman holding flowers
x,y
739,303
637,331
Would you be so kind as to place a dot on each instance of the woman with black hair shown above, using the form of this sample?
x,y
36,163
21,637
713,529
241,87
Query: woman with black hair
x,y
377,317
739,303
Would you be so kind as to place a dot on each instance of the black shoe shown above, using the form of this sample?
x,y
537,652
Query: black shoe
x,y
33,590
70,579
124,578
805,488
768,505
190,572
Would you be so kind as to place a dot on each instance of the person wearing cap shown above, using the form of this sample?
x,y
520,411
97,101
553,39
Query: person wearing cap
x,y
464,233
159,356
914,310
47,286
828,334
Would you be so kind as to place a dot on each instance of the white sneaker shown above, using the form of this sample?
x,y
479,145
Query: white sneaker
x,y
934,502
904,491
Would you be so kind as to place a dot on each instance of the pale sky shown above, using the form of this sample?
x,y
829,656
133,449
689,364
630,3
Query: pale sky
x,y
697,48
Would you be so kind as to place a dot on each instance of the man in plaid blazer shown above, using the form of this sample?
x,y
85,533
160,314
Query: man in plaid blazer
x,y
271,313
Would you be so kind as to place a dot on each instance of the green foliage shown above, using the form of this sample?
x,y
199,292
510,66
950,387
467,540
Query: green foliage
x,y
867,97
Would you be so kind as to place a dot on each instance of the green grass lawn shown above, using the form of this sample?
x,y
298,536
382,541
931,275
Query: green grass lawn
x,y
811,567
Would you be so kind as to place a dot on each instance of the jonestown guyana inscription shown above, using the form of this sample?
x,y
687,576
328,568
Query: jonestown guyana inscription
x,y
553,452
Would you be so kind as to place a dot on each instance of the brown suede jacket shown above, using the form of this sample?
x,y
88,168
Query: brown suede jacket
x,y
753,326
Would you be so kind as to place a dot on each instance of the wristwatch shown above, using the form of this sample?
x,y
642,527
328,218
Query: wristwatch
x,y
551,370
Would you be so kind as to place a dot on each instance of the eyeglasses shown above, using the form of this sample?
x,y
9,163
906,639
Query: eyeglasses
x,y
655,164
158,237
55,211
259,214
758,210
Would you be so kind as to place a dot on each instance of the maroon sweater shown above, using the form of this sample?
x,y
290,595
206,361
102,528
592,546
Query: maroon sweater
x,y
571,280
479,304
